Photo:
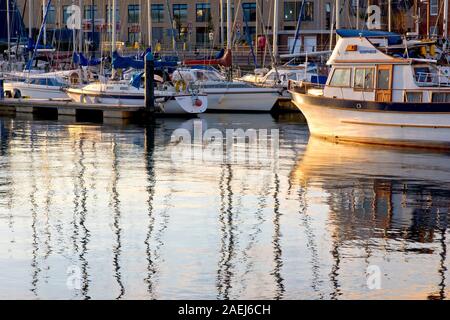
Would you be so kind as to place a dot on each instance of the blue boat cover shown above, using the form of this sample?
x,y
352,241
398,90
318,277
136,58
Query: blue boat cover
x,y
120,62
393,38
80,59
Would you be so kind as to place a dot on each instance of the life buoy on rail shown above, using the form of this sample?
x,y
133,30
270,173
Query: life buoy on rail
x,y
180,84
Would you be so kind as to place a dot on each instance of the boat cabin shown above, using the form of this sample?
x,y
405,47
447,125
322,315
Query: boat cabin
x,y
362,68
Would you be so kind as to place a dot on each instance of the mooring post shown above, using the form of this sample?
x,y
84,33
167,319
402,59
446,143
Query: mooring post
x,y
149,83
2,91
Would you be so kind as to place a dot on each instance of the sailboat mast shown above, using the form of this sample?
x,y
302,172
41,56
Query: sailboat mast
x,y
389,15
44,5
228,24
80,32
221,23
8,30
357,14
113,32
149,12
337,15
275,30
445,33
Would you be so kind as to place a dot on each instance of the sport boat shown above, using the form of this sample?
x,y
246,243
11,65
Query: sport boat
x,y
123,93
375,96
224,95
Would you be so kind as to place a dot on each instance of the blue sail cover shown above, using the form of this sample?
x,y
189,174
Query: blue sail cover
x,y
120,62
393,38
17,27
80,59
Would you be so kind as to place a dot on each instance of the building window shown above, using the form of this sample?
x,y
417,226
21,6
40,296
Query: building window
x,y
202,35
203,12
224,8
328,15
180,12
364,79
434,7
66,14
291,10
157,12
249,11
109,17
51,16
308,11
133,13
157,34
341,77
88,12
133,36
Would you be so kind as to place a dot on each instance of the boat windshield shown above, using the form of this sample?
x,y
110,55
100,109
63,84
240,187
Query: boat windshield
x,y
50,82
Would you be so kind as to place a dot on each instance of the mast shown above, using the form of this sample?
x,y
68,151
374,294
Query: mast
x,y
221,23
93,27
275,30
229,24
445,33
149,12
113,32
8,30
337,15
389,15
357,14
30,18
80,34
44,5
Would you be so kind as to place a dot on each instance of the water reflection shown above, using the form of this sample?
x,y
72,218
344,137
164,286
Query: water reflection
x,y
112,201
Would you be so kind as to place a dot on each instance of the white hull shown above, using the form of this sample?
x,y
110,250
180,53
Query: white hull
x,y
255,101
378,127
35,91
181,104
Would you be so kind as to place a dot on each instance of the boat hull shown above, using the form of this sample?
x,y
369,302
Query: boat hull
x,y
244,101
402,124
35,91
180,104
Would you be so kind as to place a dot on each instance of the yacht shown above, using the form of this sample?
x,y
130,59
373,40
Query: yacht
x,y
377,96
167,100
224,95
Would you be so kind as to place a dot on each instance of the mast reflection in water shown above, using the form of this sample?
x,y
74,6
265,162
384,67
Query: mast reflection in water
x,y
109,204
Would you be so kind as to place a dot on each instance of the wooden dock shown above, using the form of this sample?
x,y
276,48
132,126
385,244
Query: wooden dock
x,y
67,108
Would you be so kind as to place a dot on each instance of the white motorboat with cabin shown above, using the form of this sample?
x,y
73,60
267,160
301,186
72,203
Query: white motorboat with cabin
x,y
123,93
375,96
226,95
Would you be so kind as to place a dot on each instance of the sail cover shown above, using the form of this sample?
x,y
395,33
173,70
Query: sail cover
x,y
17,27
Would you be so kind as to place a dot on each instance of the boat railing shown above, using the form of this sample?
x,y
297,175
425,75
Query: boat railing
x,y
431,79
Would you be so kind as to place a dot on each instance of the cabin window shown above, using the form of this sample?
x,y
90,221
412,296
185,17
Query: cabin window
x,y
440,97
364,78
413,96
341,77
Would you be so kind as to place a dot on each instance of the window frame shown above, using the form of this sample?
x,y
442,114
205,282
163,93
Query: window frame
x,y
364,88
136,13
334,73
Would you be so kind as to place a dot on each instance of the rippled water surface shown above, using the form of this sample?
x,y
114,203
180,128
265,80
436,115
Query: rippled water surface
x,y
108,212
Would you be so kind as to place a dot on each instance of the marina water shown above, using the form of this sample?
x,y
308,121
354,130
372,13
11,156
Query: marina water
x,y
92,211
